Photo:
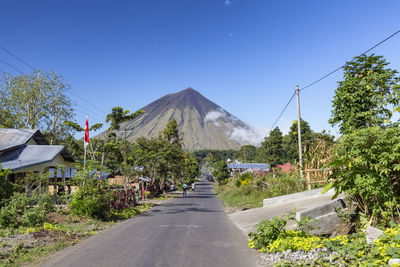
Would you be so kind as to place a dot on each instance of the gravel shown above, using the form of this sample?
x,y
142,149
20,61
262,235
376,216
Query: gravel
x,y
268,259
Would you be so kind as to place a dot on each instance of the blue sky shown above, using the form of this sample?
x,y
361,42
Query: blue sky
x,y
245,55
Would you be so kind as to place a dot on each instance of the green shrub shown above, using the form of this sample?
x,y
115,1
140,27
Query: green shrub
x,y
350,250
33,217
19,202
366,167
267,231
11,213
238,183
92,200
8,217
46,203
21,210
7,188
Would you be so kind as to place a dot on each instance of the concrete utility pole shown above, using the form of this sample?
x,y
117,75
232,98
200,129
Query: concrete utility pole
x,y
299,133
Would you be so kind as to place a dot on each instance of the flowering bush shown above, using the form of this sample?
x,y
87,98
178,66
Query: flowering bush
x,y
340,250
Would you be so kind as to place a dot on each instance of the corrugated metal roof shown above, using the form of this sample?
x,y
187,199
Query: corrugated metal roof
x,y
12,138
31,155
260,166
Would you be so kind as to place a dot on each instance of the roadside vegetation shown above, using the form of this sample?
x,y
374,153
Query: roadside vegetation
x,y
364,164
35,222
248,191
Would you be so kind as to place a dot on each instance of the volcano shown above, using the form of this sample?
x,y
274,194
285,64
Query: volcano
x,y
204,124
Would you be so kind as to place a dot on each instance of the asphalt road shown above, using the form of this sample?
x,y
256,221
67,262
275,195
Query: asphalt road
x,y
190,231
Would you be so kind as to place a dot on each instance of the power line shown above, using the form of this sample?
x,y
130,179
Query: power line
x,y
335,70
283,110
90,112
87,102
11,66
330,73
10,53
34,69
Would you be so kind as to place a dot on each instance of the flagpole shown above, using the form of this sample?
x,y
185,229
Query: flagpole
x,y
86,140
84,159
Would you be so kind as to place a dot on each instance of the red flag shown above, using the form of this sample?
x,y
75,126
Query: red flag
x,y
86,132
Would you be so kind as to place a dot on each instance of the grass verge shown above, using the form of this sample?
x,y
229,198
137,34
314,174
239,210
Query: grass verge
x,y
31,245
252,194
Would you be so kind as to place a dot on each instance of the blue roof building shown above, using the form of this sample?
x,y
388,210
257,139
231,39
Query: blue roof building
x,y
249,166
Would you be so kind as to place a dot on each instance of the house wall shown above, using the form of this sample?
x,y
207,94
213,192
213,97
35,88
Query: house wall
x,y
59,160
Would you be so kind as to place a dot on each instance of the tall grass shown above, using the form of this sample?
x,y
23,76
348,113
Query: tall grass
x,y
251,195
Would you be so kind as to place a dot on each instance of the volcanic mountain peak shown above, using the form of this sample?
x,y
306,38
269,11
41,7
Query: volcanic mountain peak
x,y
203,123
180,100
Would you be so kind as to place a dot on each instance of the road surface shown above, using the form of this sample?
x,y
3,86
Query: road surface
x,y
191,231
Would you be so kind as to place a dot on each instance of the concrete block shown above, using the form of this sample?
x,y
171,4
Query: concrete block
x,y
372,234
296,196
321,209
326,224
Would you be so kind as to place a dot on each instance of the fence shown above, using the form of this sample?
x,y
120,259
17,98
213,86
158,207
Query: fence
x,y
124,198
317,176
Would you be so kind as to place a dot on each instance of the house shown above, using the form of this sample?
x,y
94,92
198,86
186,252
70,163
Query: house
x,y
285,168
245,167
27,150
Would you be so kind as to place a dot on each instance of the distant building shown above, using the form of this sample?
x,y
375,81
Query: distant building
x,y
27,150
287,167
242,167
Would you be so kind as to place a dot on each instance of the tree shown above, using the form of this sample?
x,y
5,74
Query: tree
x,y
153,155
118,116
221,172
171,133
191,168
35,100
173,151
272,146
290,142
24,99
247,153
365,97
366,167
58,106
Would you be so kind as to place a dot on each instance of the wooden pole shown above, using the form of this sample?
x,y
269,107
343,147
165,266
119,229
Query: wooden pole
x,y
308,180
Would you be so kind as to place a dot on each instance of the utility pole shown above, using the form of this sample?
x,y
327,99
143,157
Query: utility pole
x,y
125,162
125,147
299,133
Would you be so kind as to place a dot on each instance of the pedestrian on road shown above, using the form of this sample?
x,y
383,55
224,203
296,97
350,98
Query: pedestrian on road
x,y
184,189
193,187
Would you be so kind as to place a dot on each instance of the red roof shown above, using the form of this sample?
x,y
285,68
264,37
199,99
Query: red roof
x,y
287,167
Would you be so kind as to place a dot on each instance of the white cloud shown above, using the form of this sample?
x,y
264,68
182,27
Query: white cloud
x,y
227,3
249,134
214,115
252,135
